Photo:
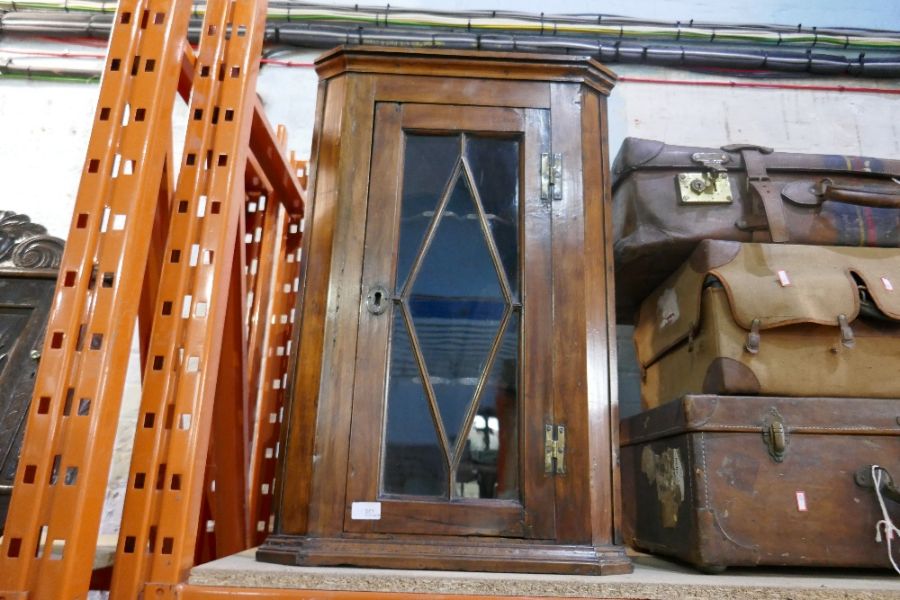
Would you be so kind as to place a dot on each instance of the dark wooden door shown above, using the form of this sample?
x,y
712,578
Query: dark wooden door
x,y
452,387
25,297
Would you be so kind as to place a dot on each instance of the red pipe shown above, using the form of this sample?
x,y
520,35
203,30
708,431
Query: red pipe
x,y
758,84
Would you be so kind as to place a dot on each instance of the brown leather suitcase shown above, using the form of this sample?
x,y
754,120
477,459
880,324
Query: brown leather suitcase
x,y
773,319
721,481
667,198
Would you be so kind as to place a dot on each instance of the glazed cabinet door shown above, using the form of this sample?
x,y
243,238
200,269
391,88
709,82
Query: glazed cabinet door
x,y
452,389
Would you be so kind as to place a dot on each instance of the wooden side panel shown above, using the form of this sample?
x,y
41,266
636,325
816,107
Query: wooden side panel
x,y
538,487
612,374
341,311
292,492
600,320
380,256
570,391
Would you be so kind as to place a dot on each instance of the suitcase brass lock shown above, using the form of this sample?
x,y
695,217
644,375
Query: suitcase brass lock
x,y
775,437
708,187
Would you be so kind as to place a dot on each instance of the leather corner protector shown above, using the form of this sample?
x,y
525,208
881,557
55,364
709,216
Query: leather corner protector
x,y
728,376
712,254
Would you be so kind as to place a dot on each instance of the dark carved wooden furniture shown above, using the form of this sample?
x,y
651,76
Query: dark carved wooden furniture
x,y
28,262
453,396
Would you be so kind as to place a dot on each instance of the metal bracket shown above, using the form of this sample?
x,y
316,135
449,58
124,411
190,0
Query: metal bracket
x,y
554,449
711,160
551,176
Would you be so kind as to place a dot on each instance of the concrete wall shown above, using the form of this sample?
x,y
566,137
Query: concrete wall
x,y
45,127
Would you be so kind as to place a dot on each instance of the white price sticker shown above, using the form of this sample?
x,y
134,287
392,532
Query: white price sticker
x,y
801,501
783,278
365,511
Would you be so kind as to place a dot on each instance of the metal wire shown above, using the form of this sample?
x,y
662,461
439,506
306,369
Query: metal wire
x,y
619,27
319,35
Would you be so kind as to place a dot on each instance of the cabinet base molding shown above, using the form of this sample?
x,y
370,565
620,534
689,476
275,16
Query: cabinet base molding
x,y
492,554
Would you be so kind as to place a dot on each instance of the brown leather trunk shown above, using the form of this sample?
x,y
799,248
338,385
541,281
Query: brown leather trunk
x,y
668,198
706,480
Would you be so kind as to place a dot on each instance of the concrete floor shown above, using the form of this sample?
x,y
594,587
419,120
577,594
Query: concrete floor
x,y
652,578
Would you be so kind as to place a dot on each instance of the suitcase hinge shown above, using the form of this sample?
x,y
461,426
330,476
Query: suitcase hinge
x,y
775,436
551,176
554,449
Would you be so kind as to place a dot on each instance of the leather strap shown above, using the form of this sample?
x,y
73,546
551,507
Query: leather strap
x,y
765,192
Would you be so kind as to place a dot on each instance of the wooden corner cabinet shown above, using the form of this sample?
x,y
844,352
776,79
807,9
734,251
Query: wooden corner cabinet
x,y
453,399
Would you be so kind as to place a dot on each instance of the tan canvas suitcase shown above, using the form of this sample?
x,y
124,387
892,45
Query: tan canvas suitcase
x,y
773,319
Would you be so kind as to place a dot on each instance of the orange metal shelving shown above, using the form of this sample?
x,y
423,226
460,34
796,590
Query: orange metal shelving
x,y
205,258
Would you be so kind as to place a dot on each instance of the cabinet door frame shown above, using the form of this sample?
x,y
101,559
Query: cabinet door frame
x,y
534,517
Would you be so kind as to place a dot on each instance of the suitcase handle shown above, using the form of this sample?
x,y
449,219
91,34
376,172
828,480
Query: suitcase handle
x,y
805,193
863,478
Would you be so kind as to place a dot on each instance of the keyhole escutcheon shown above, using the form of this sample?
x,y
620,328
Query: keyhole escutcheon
x,y
377,300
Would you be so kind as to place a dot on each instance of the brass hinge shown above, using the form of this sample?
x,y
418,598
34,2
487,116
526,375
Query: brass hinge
x,y
554,449
551,176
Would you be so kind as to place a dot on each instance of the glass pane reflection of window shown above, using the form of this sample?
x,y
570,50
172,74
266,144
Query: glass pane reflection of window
x,y
489,466
428,163
413,461
456,305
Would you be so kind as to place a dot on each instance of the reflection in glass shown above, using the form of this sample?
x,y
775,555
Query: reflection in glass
x,y
495,171
456,306
428,163
413,461
489,466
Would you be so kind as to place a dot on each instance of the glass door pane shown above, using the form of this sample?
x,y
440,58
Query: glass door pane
x,y
449,409
454,370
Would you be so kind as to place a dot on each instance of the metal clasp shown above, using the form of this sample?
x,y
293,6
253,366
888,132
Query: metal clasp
x,y
775,436
752,344
711,160
846,332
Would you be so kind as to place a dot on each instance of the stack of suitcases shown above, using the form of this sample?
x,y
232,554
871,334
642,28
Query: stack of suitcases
x,y
764,288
